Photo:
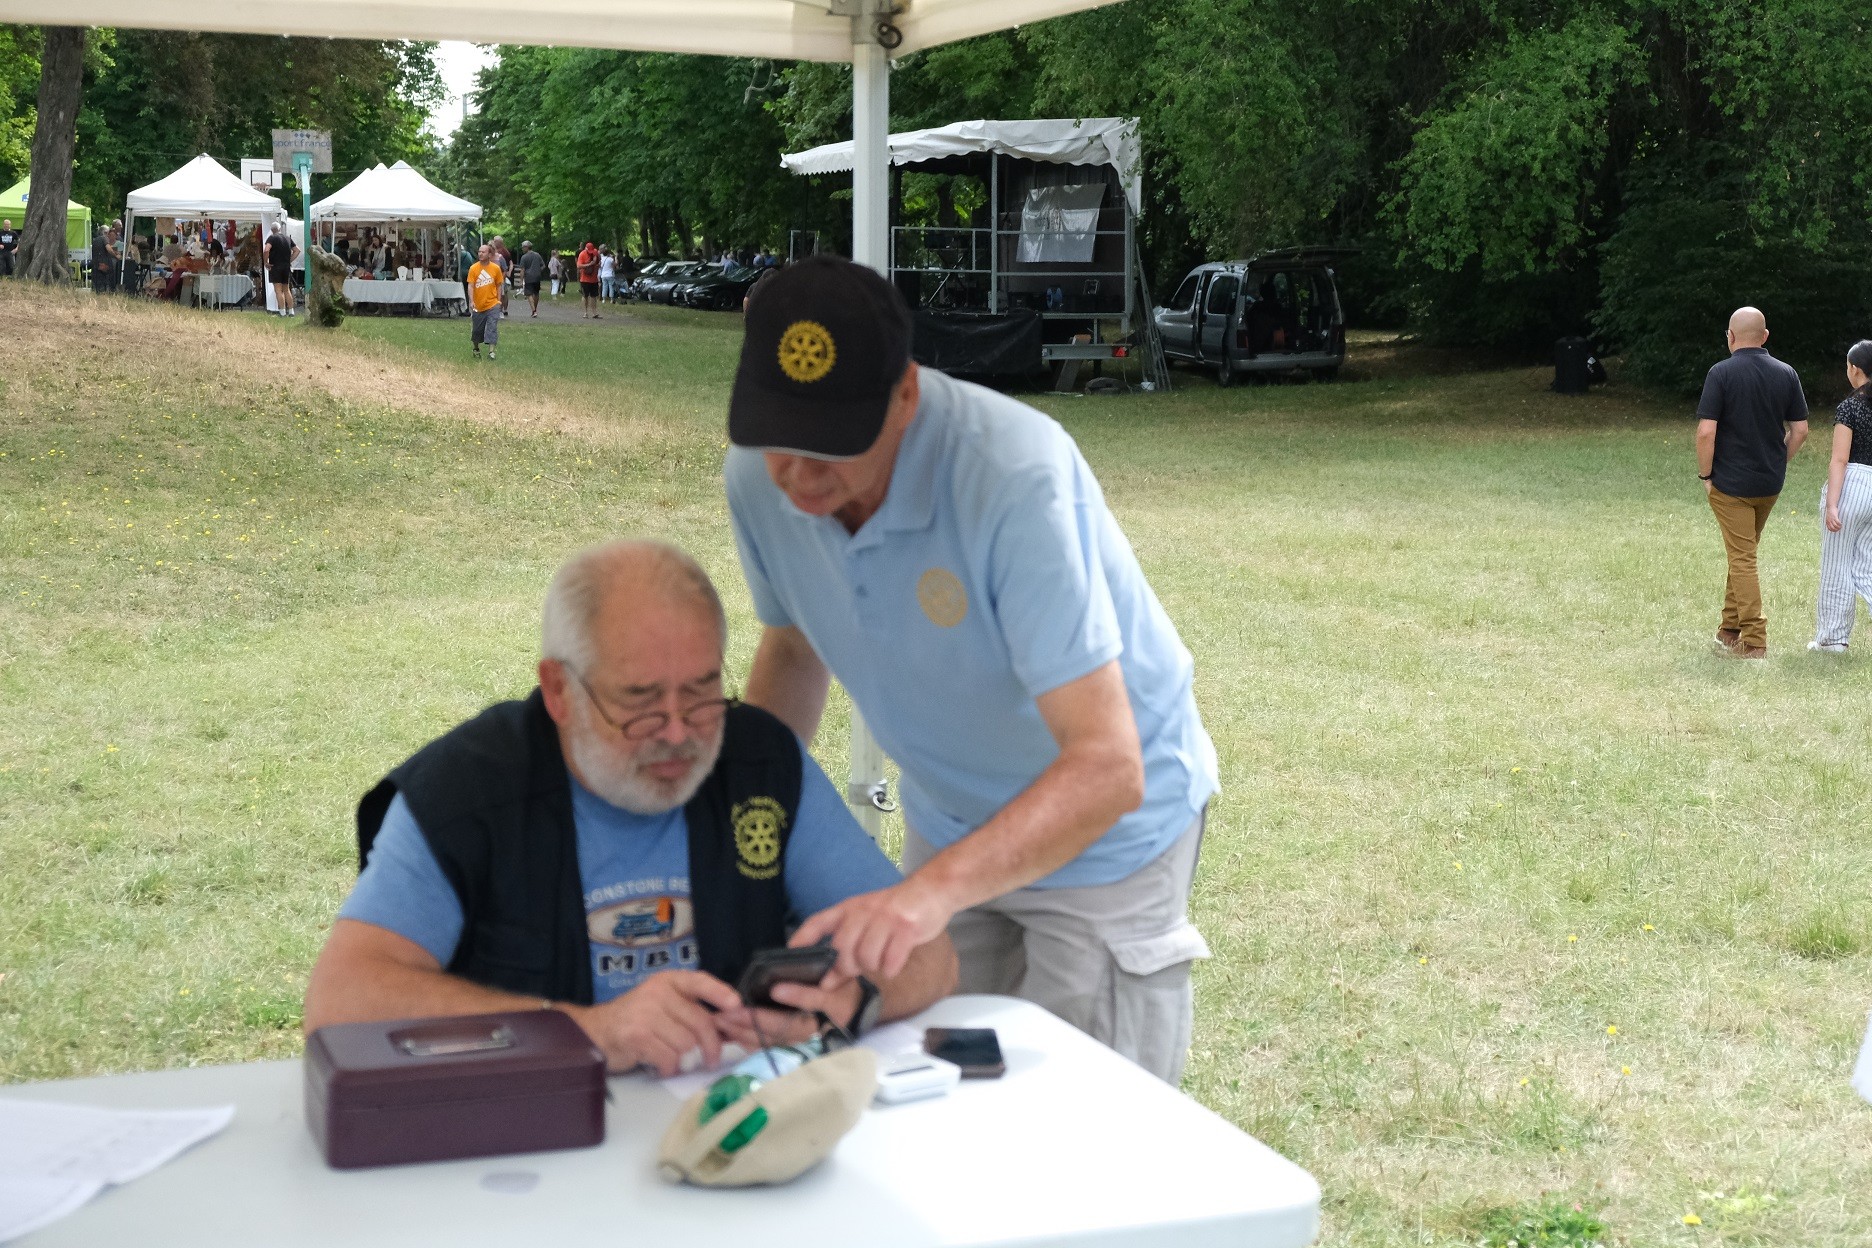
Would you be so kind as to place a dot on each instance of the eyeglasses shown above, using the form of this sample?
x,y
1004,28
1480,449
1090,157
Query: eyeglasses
x,y
699,718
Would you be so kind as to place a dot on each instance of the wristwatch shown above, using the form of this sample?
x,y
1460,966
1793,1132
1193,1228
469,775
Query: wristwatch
x,y
1704,476
870,1005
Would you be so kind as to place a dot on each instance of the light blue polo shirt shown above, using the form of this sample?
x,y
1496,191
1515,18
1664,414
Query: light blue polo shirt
x,y
993,573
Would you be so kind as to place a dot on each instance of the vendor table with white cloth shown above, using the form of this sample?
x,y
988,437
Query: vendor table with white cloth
x,y
1075,1145
424,292
221,289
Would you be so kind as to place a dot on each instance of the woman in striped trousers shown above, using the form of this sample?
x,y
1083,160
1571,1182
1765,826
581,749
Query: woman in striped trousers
x,y
1846,510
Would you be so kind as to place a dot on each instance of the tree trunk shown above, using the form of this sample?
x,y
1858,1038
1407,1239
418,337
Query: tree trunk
x,y
42,251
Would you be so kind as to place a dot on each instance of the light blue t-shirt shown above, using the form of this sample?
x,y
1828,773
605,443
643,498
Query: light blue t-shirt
x,y
634,870
993,573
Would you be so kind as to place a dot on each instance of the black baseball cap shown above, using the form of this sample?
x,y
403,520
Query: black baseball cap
x,y
827,341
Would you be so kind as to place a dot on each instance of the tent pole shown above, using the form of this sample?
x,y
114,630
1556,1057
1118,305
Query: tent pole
x,y
870,245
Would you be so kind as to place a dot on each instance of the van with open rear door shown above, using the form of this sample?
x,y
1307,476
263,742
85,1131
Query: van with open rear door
x,y
1276,314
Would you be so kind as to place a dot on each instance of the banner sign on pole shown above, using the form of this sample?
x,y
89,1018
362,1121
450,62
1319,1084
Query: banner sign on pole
x,y
290,143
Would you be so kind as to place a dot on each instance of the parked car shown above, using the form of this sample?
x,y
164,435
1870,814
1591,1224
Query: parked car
x,y
719,291
646,269
1277,313
662,287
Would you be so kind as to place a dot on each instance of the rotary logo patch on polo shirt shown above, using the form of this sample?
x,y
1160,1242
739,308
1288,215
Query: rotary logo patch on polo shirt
x,y
942,597
758,823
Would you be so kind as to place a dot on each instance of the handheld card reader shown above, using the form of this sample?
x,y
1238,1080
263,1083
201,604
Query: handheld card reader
x,y
915,1077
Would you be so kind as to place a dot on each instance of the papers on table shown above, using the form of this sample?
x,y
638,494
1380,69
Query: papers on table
x,y
887,1041
54,1156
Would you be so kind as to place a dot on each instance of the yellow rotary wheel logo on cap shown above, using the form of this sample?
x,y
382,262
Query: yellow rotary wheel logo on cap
x,y
758,823
807,351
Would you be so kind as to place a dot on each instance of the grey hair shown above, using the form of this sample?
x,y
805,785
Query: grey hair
x,y
650,568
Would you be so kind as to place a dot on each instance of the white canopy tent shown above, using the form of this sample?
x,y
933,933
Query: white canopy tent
x,y
863,32
1069,141
202,189
395,194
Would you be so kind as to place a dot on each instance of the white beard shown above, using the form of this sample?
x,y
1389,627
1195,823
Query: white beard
x,y
625,781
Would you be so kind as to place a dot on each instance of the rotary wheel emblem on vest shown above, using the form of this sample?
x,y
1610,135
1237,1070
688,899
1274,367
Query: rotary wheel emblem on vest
x,y
758,823
807,351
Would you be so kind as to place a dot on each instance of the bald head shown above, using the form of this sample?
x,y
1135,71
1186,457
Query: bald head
x,y
622,577
1747,328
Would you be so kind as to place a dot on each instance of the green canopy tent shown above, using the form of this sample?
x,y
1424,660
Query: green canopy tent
x,y
77,217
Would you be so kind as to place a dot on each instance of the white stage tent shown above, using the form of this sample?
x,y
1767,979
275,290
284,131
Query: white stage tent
x,y
863,32
1058,141
396,194
202,189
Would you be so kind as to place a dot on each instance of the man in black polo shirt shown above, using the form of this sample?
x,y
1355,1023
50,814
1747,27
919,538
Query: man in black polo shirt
x,y
1751,420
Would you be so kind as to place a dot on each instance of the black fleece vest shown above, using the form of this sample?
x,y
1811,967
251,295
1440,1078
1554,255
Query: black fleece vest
x,y
494,802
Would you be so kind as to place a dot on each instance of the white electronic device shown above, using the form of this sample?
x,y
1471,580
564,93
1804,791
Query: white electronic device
x,y
915,1077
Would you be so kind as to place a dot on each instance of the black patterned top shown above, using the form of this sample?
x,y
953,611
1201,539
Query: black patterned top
x,y
1856,414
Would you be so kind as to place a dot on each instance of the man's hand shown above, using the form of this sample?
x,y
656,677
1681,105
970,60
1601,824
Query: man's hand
x,y
835,996
659,1021
1708,485
875,933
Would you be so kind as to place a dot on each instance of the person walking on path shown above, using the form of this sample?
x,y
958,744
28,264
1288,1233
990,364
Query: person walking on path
x,y
556,271
279,256
607,273
532,265
9,246
504,259
1846,510
947,553
1751,421
485,281
588,279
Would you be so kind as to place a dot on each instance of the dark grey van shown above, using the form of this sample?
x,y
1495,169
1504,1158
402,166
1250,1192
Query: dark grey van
x,y
1277,313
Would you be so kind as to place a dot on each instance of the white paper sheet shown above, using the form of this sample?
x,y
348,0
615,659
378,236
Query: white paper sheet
x,y
27,1203
55,1156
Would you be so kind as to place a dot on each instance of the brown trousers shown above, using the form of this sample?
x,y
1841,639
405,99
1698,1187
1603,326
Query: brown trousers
x,y
1742,521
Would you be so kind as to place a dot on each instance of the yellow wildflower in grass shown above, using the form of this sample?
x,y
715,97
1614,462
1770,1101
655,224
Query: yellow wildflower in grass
x,y
1572,939
1624,1070
1690,1219
1649,928
1611,1029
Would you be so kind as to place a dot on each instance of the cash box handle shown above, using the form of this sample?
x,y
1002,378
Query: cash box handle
x,y
435,1042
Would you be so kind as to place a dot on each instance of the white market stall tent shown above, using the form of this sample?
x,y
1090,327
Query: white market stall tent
x,y
398,196
204,190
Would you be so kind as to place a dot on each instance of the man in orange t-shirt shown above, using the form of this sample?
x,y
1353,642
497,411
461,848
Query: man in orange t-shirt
x,y
588,278
485,281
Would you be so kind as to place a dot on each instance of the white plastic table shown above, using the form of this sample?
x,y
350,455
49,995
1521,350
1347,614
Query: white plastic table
x,y
1074,1146
364,290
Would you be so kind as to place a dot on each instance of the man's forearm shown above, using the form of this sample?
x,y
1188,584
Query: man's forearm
x,y
1706,447
1071,804
350,995
1796,435
928,977
789,681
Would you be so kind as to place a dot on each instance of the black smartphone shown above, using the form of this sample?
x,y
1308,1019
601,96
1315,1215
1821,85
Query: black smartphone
x,y
975,1049
784,966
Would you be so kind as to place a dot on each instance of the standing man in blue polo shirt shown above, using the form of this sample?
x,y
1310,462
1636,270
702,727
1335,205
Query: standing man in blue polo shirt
x,y
946,552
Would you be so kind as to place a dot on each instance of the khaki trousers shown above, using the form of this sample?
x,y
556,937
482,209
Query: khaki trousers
x,y
1113,960
1742,521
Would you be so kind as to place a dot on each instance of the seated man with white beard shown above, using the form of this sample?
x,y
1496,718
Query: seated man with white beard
x,y
616,846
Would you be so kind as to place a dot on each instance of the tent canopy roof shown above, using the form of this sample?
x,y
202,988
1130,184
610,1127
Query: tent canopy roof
x,y
805,30
394,194
202,188
1059,141
15,197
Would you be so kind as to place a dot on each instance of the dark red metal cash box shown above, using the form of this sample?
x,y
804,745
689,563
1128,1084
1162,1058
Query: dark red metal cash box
x,y
436,1089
